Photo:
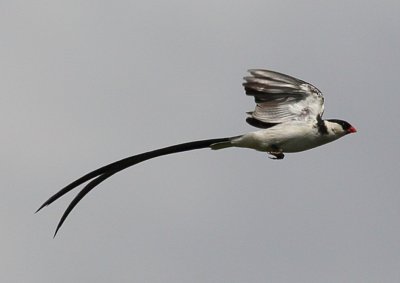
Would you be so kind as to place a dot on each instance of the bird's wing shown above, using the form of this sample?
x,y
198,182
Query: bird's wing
x,y
281,98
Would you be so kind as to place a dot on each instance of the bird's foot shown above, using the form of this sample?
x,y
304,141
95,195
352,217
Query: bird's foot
x,y
276,155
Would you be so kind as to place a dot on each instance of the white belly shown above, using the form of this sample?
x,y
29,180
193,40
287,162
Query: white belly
x,y
286,138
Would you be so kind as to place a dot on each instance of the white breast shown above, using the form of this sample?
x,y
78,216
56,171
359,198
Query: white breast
x,y
288,137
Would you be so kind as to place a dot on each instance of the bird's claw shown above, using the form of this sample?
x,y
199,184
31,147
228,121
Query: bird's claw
x,y
276,155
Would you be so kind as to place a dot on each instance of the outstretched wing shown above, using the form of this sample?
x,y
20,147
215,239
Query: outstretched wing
x,y
281,98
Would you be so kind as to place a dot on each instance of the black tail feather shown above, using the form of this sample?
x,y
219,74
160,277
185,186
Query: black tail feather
x,y
99,175
91,185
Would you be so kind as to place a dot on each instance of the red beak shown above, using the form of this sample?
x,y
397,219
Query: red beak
x,y
351,130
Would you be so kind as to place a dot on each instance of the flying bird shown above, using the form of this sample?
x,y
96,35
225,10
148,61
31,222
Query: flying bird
x,y
288,114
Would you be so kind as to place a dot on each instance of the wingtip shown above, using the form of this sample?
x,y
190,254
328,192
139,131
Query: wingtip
x,y
255,70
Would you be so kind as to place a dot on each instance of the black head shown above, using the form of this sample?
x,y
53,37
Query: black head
x,y
345,125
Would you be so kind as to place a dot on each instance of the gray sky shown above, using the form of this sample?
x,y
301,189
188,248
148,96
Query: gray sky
x,y
85,83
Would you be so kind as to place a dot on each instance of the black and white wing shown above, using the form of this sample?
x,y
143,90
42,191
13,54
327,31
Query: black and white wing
x,y
281,98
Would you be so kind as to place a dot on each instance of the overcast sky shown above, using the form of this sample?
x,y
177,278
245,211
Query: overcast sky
x,y
85,83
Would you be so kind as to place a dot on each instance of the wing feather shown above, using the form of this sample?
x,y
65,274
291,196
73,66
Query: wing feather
x,y
281,98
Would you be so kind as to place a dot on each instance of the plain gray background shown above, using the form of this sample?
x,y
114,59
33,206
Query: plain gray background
x,y
85,83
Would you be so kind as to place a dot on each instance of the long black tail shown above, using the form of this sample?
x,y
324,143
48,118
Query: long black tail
x,y
99,175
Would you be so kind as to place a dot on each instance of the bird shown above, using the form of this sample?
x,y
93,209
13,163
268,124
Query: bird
x,y
288,115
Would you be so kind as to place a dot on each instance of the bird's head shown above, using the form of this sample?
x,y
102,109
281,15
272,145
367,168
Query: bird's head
x,y
340,127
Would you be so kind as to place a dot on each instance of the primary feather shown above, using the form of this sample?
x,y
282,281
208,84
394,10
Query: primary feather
x,y
281,98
